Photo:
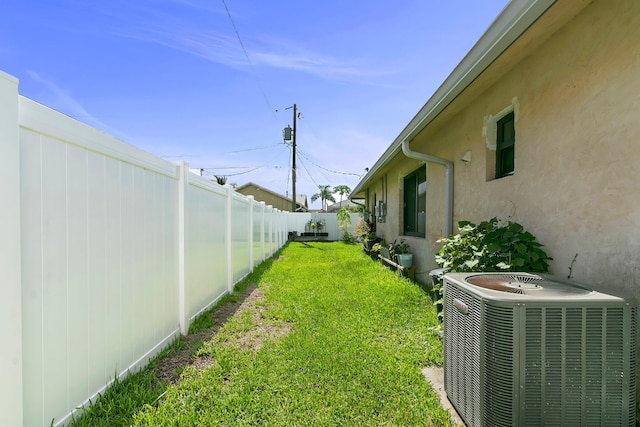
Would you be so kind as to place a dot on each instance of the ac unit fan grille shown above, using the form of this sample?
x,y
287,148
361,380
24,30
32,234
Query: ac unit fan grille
x,y
574,367
526,284
463,355
498,341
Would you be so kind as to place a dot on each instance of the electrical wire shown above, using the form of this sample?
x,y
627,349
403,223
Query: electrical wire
x,y
182,156
271,161
253,70
211,170
308,174
252,149
326,169
227,167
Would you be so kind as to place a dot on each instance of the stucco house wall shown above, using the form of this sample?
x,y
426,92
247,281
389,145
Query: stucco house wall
x,y
575,92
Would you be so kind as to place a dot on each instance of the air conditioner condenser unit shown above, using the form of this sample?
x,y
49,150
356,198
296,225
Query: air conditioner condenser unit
x,y
524,349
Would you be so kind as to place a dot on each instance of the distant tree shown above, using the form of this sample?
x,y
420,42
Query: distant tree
x,y
325,194
342,190
222,180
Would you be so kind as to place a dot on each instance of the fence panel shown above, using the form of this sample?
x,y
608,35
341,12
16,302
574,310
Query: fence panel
x,y
205,243
117,251
258,233
240,249
269,236
99,292
299,222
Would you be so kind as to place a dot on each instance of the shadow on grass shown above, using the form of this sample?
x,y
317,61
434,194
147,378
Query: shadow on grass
x,y
310,246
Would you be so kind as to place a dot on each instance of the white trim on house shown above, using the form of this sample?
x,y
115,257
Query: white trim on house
x,y
512,22
489,123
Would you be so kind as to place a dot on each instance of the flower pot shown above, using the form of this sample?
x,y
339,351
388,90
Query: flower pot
x,y
405,260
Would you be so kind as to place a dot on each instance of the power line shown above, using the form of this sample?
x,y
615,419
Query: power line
x,y
246,54
308,174
227,167
328,170
211,170
268,163
182,156
252,149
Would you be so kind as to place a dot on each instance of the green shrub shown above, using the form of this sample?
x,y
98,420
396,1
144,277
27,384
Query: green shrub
x,y
492,246
347,237
488,246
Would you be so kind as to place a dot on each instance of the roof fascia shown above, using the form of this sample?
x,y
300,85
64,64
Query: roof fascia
x,y
513,21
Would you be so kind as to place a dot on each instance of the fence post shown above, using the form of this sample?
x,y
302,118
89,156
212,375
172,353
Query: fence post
x,y
272,237
10,248
276,230
183,295
271,242
250,232
263,206
267,231
229,240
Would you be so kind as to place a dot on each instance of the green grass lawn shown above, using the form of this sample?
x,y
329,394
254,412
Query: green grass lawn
x,y
335,339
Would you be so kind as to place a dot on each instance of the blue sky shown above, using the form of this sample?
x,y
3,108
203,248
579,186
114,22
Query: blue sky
x,y
201,80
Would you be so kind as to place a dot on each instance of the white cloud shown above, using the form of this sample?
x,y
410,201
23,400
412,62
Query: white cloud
x,y
225,49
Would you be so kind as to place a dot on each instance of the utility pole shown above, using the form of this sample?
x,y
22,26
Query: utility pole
x,y
293,171
287,134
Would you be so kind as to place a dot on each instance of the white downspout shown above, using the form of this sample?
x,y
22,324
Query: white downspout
x,y
448,191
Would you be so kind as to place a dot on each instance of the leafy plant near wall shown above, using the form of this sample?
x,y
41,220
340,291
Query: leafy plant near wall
x,y
400,247
490,246
344,219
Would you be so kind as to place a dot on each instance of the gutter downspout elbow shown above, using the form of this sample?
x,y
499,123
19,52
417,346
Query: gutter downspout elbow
x,y
448,193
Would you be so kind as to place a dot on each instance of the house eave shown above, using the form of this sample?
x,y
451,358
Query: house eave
x,y
512,22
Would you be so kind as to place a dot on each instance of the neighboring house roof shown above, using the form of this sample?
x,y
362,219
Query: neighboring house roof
x,y
508,27
335,207
270,197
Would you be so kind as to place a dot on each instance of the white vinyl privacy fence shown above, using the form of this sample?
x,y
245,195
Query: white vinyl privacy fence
x,y
107,254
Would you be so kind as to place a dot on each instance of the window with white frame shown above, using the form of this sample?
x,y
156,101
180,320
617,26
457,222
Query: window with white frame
x,y
505,146
499,131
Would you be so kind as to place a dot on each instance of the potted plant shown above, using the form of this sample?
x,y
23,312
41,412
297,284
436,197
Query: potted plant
x,y
401,251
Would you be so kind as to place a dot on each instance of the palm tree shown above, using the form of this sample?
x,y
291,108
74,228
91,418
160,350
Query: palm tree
x,y
324,194
342,190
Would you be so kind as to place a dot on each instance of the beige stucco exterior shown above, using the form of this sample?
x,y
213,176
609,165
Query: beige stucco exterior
x,y
573,80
